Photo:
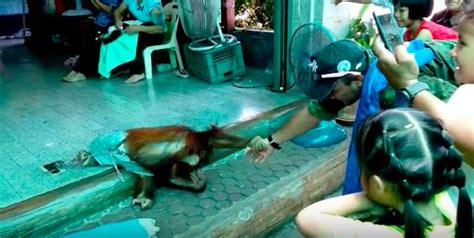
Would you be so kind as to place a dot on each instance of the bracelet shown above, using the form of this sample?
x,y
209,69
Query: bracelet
x,y
273,143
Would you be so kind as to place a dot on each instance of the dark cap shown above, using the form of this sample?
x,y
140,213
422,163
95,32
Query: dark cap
x,y
317,76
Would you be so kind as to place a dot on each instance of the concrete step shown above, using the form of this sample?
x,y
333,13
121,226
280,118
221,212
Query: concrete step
x,y
289,229
242,199
75,201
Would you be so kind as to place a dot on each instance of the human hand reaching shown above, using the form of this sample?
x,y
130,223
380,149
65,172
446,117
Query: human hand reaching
x,y
260,149
399,68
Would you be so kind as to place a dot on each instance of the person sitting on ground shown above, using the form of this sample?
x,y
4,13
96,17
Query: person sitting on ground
x,y
86,64
450,16
345,73
408,162
458,113
411,13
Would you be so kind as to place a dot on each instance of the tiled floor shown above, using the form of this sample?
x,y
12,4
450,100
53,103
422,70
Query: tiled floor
x,y
44,120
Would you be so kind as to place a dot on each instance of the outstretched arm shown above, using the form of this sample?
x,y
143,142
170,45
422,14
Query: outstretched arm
x,y
299,123
302,121
460,127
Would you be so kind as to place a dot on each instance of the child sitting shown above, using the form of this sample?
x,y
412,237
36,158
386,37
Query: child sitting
x,y
407,163
411,13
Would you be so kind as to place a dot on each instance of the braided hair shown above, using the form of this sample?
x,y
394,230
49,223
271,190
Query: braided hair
x,y
412,150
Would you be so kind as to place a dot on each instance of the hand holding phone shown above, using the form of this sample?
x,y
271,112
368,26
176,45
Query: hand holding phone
x,y
388,30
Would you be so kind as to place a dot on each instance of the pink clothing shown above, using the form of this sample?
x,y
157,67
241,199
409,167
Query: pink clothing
x,y
438,32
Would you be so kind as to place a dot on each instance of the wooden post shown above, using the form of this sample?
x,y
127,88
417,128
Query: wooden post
x,y
227,15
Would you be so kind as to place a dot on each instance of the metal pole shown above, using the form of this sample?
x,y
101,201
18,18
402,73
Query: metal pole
x,y
280,65
24,18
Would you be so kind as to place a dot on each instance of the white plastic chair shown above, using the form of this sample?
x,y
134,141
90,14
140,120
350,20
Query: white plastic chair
x,y
172,45
200,20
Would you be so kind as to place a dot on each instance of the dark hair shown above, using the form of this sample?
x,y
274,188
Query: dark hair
x,y
412,150
417,9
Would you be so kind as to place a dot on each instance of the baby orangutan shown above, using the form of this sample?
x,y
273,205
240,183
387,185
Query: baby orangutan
x,y
169,155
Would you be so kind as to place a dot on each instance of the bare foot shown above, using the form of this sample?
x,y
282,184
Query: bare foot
x,y
75,78
134,78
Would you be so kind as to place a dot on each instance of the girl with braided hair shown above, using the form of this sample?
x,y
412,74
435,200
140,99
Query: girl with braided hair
x,y
407,163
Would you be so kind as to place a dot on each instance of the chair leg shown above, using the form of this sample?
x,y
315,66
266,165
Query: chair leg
x,y
148,66
178,55
172,58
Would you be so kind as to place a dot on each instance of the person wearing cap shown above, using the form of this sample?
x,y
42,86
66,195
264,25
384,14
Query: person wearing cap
x,y
344,72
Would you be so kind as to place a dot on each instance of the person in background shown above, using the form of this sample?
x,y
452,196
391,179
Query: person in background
x,y
451,15
407,162
151,32
86,64
457,114
411,13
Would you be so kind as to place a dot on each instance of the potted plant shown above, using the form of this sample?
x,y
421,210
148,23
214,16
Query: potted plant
x,y
253,28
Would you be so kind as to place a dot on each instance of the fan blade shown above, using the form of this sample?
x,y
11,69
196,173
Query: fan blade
x,y
305,78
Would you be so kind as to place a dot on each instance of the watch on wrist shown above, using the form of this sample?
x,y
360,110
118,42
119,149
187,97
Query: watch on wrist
x,y
404,97
273,143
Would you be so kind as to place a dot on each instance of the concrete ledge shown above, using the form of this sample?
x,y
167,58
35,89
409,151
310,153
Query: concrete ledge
x,y
267,209
60,207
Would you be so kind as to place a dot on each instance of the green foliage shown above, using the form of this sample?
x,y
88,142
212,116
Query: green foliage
x,y
257,14
362,32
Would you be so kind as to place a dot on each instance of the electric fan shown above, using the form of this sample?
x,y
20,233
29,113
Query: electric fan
x,y
200,21
306,42
79,11
213,58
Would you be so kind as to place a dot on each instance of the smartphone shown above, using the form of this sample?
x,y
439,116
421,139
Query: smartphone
x,y
388,30
53,167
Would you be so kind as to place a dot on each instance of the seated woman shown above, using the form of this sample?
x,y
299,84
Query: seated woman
x,y
150,31
407,164
86,65
451,15
411,13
